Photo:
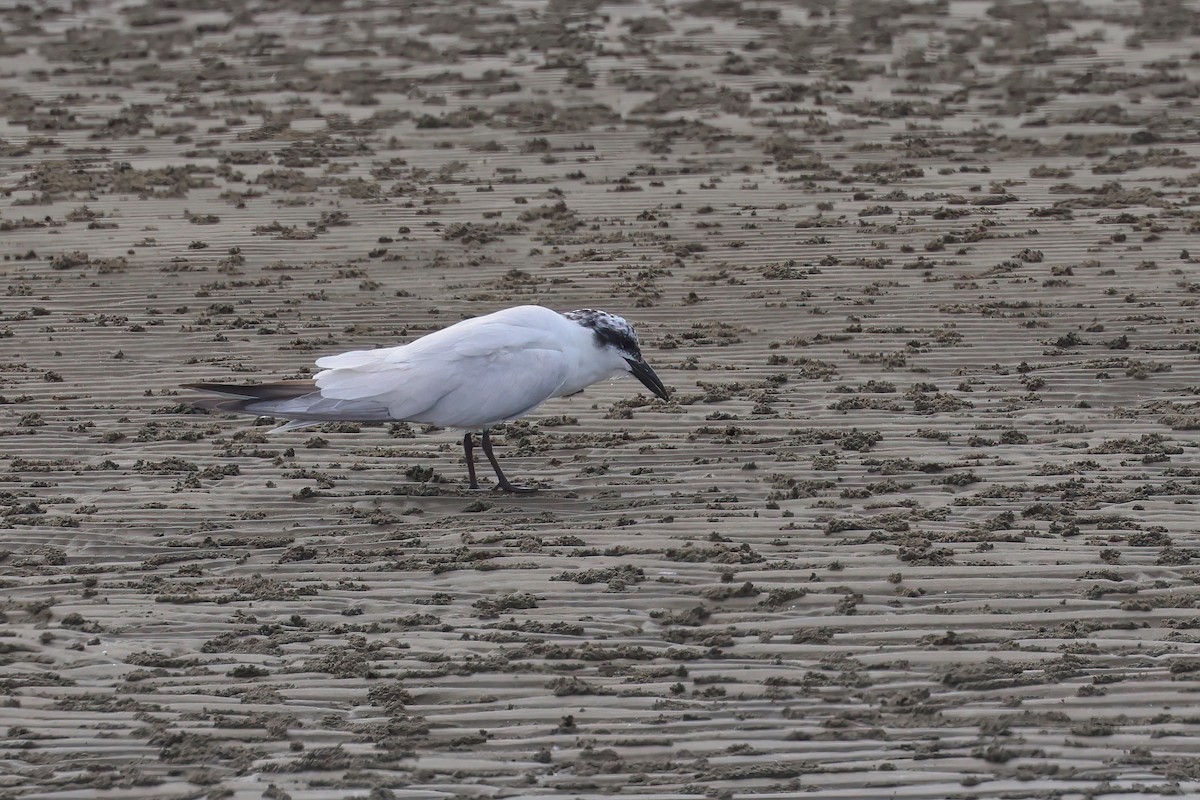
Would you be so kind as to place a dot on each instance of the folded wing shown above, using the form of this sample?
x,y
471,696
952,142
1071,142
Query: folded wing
x,y
461,377
473,374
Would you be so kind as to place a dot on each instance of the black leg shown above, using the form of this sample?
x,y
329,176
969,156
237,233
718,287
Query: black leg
x,y
470,460
502,482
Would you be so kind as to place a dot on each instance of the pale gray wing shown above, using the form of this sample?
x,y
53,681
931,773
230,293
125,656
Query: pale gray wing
x,y
354,358
497,387
489,374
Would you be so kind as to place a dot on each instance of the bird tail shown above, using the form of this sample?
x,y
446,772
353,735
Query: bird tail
x,y
298,401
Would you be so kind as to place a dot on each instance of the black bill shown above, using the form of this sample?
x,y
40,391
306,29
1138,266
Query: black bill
x,y
642,371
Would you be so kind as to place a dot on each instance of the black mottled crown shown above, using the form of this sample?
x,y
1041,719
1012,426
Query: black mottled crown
x,y
609,329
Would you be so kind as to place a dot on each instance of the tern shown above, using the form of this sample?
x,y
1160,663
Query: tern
x,y
470,376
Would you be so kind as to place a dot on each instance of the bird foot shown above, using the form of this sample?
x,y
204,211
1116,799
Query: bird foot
x,y
511,489
505,487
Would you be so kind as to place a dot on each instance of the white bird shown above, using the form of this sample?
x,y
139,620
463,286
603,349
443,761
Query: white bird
x,y
471,375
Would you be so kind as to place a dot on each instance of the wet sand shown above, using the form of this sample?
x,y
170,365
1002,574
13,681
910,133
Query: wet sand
x,y
917,522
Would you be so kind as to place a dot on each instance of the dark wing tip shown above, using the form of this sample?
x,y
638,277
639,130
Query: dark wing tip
x,y
280,390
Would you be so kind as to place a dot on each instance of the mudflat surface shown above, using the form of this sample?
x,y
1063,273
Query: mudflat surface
x,y
918,521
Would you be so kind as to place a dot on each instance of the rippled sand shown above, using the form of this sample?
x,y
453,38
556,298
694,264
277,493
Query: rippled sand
x,y
918,522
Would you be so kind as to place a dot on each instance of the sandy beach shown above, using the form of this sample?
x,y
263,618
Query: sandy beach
x,y
916,523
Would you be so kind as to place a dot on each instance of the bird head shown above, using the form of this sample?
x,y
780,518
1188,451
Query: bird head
x,y
615,337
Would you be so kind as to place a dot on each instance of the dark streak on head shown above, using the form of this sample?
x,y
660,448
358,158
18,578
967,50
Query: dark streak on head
x,y
609,330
